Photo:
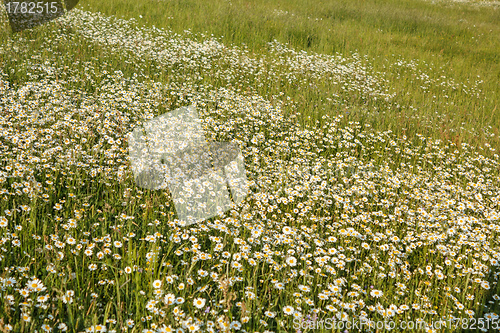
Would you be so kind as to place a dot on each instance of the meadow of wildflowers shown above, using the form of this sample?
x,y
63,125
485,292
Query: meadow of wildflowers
x,y
342,220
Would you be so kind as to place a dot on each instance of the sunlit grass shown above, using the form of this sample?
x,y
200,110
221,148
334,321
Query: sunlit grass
x,y
457,41
372,163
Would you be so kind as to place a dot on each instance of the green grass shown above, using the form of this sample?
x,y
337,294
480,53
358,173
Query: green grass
x,y
336,168
460,42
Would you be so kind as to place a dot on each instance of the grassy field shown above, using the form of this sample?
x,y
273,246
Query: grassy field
x,y
425,51
370,136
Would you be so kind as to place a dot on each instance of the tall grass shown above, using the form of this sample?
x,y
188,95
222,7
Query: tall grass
x,y
457,41
370,136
